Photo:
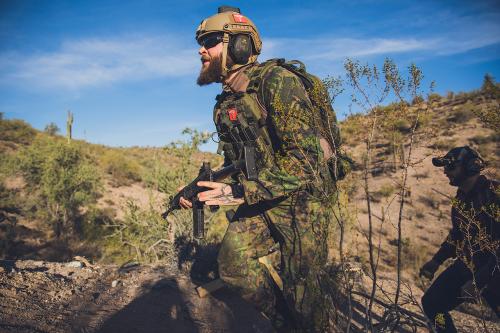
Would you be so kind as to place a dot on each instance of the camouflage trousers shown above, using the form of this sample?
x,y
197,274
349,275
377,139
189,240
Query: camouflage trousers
x,y
293,234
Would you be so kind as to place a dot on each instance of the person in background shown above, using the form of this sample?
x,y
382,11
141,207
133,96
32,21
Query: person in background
x,y
473,242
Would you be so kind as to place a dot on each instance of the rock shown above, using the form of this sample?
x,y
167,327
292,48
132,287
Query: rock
x,y
84,261
127,267
74,264
114,283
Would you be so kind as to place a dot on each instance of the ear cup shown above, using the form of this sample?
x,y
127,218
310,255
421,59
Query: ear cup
x,y
474,166
240,48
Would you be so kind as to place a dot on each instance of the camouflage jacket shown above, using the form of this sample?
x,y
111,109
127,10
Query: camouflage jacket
x,y
289,153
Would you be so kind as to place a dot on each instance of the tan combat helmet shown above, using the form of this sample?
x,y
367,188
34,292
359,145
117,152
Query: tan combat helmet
x,y
230,22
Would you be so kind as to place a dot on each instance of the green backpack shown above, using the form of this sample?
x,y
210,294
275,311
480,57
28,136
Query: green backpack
x,y
338,162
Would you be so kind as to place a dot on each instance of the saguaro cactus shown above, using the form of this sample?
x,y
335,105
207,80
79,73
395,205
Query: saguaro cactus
x,y
69,125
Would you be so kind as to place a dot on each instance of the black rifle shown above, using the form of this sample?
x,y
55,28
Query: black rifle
x,y
191,191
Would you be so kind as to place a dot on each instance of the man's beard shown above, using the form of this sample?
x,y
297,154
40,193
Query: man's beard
x,y
458,179
212,73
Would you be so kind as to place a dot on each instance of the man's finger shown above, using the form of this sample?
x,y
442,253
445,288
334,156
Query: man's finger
x,y
185,203
212,185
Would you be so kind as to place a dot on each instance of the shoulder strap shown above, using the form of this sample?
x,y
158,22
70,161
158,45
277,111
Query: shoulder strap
x,y
259,74
298,68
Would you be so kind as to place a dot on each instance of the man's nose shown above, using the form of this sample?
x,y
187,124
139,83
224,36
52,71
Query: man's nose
x,y
202,50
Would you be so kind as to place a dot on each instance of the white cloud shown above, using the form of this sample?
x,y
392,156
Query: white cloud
x,y
440,34
98,61
94,62
331,49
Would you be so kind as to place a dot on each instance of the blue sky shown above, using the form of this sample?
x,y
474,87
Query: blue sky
x,y
127,69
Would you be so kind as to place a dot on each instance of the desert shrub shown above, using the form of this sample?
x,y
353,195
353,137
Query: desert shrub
x,y
462,113
422,174
403,125
141,236
417,100
489,87
385,190
124,171
450,95
95,224
17,131
413,255
434,97
484,139
425,120
430,200
351,127
61,178
419,214
443,144
51,129
489,116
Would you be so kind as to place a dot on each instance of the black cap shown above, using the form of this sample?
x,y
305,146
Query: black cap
x,y
455,156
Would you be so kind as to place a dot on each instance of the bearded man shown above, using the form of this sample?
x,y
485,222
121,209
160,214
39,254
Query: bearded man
x,y
473,242
276,243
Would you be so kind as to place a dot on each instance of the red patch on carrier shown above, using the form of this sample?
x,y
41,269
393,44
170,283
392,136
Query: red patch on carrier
x,y
238,18
233,114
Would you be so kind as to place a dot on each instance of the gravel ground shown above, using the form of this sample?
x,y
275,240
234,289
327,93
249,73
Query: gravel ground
x,y
39,296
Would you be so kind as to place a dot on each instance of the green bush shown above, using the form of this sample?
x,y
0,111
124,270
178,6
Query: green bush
x,y
61,178
124,171
142,236
434,97
403,125
17,131
51,129
484,139
95,222
489,87
444,144
384,191
462,113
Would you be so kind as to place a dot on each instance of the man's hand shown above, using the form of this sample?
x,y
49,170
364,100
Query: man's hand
x,y
184,203
428,269
220,194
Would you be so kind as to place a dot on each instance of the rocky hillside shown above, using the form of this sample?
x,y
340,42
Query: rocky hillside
x,y
38,270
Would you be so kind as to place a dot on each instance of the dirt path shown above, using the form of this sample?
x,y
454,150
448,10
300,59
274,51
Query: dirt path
x,y
37,296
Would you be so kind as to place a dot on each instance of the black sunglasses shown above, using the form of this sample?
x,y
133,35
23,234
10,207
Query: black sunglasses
x,y
451,165
210,41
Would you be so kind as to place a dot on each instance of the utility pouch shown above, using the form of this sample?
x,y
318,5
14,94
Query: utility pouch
x,y
198,220
250,168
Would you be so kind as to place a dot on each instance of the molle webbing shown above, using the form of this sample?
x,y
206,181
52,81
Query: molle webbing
x,y
260,73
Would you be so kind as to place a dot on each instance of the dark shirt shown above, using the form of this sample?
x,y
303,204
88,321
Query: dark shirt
x,y
475,234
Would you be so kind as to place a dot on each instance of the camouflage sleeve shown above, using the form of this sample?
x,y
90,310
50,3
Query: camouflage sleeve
x,y
295,144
